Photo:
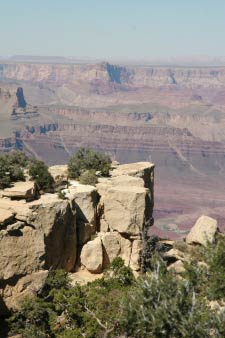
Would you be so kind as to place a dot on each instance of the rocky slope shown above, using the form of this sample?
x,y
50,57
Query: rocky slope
x,y
83,232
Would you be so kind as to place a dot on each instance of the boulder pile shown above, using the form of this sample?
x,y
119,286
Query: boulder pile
x,y
84,230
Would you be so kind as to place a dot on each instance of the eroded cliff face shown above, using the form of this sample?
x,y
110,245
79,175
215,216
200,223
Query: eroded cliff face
x,y
173,116
135,76
86,231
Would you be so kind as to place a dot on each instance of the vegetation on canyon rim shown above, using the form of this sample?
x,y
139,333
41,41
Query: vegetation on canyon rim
x,y
83,166
88,160
13,165
157,304
11,168
40,174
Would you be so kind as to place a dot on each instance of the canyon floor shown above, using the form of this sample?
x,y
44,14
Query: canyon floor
x,y
172,116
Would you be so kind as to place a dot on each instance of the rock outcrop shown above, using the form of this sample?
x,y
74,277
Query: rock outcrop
x,y
21,190
92,256
21,103
203,232
178,253
84,231
35,236
125,212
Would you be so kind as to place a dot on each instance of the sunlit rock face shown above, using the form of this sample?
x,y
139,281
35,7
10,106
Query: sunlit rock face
x,y
84,231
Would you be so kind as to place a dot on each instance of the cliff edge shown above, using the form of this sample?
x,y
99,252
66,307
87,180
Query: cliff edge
x,y
84,231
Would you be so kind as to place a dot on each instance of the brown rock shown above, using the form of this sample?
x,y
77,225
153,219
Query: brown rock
x,y
125,208
46,240
59,174
27,286
177,254
21,190
84,199
127,198
203,232
144,170
92,256
178,267
112,244
125,252
6,216
135,254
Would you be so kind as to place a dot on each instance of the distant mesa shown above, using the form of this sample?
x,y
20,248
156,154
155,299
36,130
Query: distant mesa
x,y
21,103
21,108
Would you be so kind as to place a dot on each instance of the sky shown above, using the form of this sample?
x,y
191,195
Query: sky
x,y
126,29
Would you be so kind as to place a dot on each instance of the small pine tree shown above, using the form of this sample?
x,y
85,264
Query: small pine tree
x,y
86,159
40,174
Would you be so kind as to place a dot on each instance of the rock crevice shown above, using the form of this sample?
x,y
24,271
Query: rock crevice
x,y
84,231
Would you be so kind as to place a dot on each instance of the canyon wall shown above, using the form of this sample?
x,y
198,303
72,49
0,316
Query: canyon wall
x,y
134,76
173,116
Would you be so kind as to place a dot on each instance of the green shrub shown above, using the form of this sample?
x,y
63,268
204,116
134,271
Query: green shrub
x,y
5,181
16,173
208,279
162,306
62,195
19,158
12,166
56,280
88,177
40,174
86,159
33,319
215,258
157,305
122,273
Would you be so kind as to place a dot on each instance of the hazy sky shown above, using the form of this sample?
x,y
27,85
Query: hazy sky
x,y
138,29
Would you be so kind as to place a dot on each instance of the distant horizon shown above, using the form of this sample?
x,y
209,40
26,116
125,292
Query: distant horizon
x,y
122,30
191,60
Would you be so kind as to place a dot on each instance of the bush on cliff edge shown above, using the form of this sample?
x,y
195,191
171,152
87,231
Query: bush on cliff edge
x,y
85,160
40,174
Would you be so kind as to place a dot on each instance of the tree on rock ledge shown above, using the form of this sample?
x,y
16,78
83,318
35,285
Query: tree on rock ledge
x,y
86,159
40,174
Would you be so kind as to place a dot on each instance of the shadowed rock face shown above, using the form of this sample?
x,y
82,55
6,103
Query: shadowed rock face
x,y
21,103
115,73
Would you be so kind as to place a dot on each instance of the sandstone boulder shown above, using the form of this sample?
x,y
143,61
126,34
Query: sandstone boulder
x,y
21,252
59,174
136,254
47,239
144,170
203,232
112,246
6,216
92,256
125,251
125,208
21,190
127,198
56,220
26,286
177,267
84,199
175,254
115,245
